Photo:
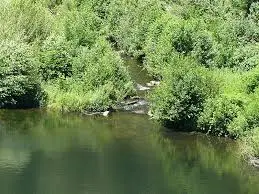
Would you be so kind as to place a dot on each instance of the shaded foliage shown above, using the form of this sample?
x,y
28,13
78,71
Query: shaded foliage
x,y
19,86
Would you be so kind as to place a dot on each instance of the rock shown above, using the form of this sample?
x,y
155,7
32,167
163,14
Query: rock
x,y
153,83
254,162
130,102
142,88
149,85
139,106
106,113
135,98
141,103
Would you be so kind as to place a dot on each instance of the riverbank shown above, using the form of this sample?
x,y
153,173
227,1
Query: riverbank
x,y
60,55
206,56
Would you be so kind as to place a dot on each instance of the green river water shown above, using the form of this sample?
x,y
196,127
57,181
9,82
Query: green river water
x,y
48,153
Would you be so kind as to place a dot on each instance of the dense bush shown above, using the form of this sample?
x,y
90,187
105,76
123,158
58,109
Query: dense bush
x,y
81,25
158,45
217,114
248,119
204,49
28,19
254,11
252,143
56,55
245,57
252,81
19,86
64,44
98,81
180,99
129,22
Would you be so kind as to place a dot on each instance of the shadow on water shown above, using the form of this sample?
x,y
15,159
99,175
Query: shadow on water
x,y
44,152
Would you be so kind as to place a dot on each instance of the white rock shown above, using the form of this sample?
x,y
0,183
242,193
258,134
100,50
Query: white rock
x,y
155,83
149,85
106,113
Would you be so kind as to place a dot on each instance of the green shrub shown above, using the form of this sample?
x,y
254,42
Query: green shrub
x,y
252,81
158,45
222,55
248,5
129,22
183,39
56,55
252,143
19,86
217,114
204,48
29,19
98,81
181,96
100,65
69,95
248,119
254,11
171,36
81,25
245,57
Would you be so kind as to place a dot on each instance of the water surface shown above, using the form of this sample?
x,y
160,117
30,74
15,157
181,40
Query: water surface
x,y
47,153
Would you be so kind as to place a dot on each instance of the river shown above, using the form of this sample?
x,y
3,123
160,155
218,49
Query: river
x,y
50,153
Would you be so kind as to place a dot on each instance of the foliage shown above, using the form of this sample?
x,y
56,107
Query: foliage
x,y
80,24
248,119
97,82
55,58
252,143
19,86
28,19
254,11
62,42
129,22
180,99
245,57
218,113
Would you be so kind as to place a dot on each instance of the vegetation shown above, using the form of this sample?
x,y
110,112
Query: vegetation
x,y
60,54
19,86
206,55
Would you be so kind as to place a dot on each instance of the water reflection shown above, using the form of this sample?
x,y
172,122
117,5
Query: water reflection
x,y
201,164
63,154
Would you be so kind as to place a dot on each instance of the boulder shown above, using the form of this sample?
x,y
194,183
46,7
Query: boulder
x,y
254,162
